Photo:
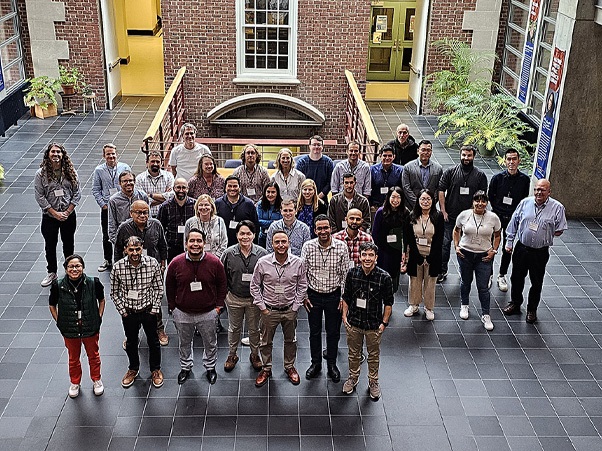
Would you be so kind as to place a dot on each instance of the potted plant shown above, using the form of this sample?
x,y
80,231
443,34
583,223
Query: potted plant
x,y
41,96
70,79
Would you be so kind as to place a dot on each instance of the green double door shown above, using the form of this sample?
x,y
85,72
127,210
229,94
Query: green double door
x,y
391,38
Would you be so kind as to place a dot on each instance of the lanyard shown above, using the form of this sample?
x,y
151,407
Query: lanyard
x,y
280,273
324,259
424,225
251,175
475,221
467,176
135,278
112,173
539,211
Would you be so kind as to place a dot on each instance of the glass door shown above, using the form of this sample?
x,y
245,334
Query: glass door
x,y
391,38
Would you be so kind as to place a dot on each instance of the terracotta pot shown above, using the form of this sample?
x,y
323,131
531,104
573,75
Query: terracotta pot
x,y
68,89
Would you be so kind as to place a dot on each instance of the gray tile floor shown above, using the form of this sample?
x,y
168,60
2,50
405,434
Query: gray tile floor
x,y
447,384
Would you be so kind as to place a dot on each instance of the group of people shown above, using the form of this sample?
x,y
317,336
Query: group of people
x,y
262,247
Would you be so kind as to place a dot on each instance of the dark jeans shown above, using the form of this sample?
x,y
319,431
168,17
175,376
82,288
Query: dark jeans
x,y
173,252
131,326
528,260
473,264
506,256
327,304
50,231
107,246
447,240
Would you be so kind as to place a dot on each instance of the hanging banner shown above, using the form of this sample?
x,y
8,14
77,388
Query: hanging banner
x,y
528,51
1,78
548,119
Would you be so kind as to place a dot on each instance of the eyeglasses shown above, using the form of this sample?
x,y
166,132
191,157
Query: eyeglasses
x,y
403,132
140,213
323,228
127,181
74,267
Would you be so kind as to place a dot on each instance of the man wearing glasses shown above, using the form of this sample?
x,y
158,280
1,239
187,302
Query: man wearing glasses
x,y
404,144
184,158
120,203
352,165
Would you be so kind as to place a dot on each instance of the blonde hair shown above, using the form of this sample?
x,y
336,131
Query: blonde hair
x,y
208,198
284,150
301,199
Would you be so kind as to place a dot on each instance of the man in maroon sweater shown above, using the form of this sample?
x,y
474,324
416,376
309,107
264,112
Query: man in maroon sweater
x,y
196,288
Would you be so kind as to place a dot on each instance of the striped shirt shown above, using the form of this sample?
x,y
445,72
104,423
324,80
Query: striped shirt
x,y
326,266
136,288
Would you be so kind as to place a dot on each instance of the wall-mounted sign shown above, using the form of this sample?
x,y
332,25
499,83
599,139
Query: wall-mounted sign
x,y
381,24
377,37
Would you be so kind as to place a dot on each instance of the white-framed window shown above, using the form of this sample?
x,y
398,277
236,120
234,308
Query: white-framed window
x,y
11,54
266,41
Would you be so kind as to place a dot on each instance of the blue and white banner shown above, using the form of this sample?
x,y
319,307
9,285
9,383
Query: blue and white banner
x,y
529,51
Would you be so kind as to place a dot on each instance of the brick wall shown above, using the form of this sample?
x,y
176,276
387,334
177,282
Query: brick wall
x,y
332,37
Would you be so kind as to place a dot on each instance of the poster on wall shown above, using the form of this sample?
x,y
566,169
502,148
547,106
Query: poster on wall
x,y
548,119
529,51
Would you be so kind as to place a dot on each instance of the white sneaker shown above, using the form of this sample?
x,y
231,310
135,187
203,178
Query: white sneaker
x,y
430,315
486,320
99,389
502,283
74,391
464,312
411,310
245,341
47,281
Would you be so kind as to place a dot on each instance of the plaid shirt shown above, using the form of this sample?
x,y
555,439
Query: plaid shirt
x,y
326,266
256,179
353,244
162,184
146,279
376,288
171,216
198,185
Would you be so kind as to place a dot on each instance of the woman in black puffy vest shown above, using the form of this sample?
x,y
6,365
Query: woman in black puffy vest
x,y
77,303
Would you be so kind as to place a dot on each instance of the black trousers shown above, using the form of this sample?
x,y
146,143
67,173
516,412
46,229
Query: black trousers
x,y
50,231
327,305
131,326
506,256
531,261
107,246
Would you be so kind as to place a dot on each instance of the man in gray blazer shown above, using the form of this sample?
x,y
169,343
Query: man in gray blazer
x,y
421,173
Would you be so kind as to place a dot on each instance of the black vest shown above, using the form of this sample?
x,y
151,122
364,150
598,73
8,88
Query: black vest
x,y
67,321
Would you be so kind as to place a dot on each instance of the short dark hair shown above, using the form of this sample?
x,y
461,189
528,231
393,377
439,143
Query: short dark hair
x,y
232,177
480,195
368,246
126,172
74,257
154,153
348,175
470,147
321,217
511,150
387,148
196,230
425,142
246,223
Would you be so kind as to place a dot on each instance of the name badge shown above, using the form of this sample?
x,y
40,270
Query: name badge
x,y
475,239
360,303
196,286
112,191
507,200
145,252
344,224
59,193
279,289
391,238
247,277
233,224
384,190
423,242
181,229
133,294
464,190
533,226
250,191
323,275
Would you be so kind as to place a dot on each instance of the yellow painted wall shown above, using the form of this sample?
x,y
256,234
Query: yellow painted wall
x,y
121,29
144,76
387,90
141,14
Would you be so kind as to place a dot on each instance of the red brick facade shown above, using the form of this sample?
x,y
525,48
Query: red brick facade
x,y
332,37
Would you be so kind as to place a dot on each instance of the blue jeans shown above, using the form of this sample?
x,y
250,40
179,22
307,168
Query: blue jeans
x,y
447,239
473,263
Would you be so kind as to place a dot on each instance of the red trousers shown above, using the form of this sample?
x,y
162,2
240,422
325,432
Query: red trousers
x,y
74,346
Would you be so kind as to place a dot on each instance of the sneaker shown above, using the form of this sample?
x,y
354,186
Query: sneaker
x,y
157,378
245,341
129,378
349,385
490,281
502,283
430,315
106,266
47,281
99,389
464,312
74,391
411,310
441,277
374,389
163,338
486,320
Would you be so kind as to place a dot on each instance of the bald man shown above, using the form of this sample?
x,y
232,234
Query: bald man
x,y
404,144
530,233
352,235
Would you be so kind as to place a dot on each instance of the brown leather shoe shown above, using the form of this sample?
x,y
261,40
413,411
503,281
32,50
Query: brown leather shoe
x,y
531,317
511,309
157,378
129,378
262,378
293,376
256,362
163,337
230,363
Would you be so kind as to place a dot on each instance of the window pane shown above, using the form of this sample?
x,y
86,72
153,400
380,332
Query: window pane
x,y
261,47
510,83
282,62
539,83
249,4
272,48
271,62
272,18
260,4
515,39
261,18
283,34
10,52
13,75
249,62
283,48
261,62
283,4
380,59
543,58
519,16
552,9
250,17
535,104
547,32
261,33
283,19
272,34
512,62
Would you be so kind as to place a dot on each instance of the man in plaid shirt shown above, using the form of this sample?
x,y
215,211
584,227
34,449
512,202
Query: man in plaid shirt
x,y
137,290
157,183
173,215
352,235
367,289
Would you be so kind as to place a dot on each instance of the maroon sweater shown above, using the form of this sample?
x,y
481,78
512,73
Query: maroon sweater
x,y
209,271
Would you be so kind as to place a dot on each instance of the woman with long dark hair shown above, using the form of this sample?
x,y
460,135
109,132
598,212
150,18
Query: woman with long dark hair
x,y
422,259
268,209
387,233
